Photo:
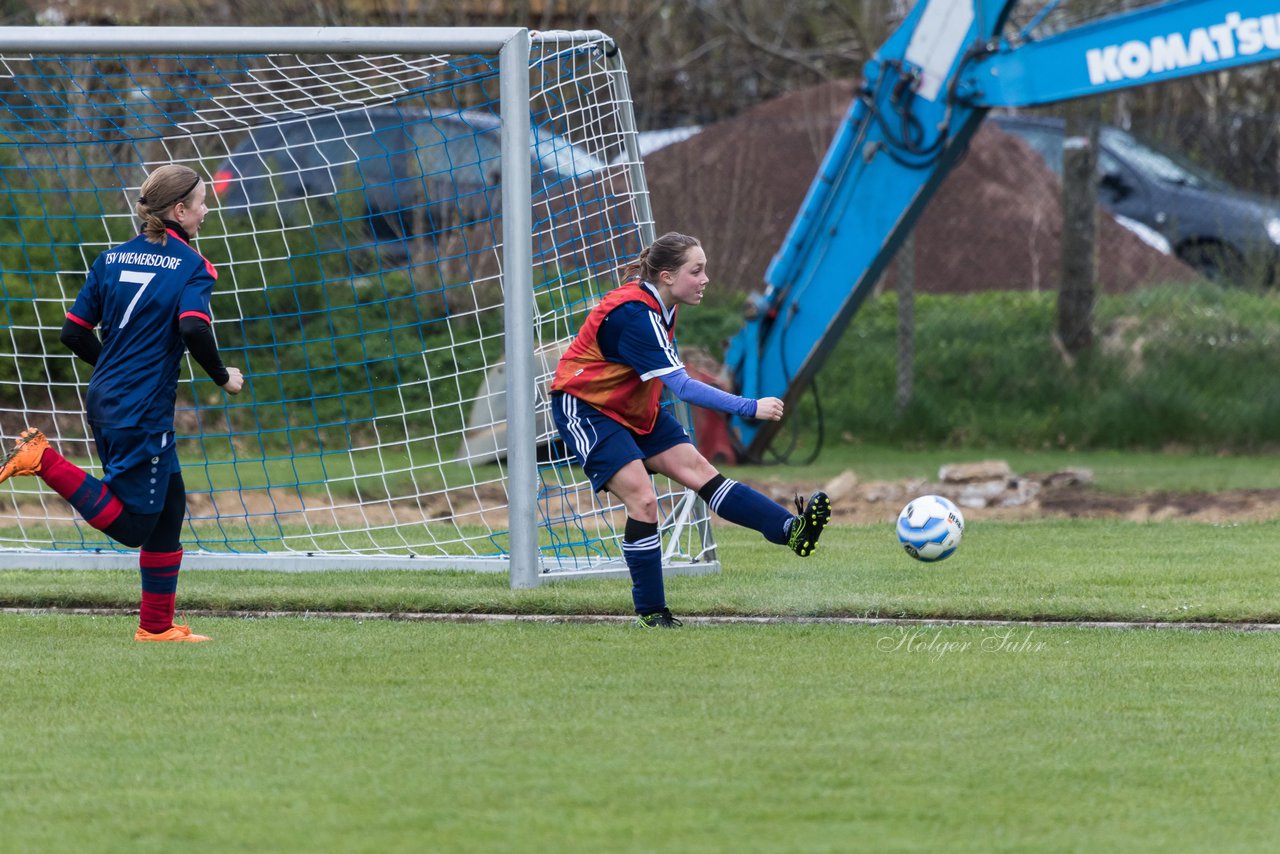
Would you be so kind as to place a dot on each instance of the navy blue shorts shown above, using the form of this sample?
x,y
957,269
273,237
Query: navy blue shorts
x,y
602,445
137,465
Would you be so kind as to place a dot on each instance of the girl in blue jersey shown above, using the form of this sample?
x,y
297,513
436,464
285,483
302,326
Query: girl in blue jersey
x,y
606,405
150,298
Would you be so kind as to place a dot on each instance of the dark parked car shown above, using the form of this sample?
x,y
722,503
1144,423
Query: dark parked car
x,y
1222,231
405,172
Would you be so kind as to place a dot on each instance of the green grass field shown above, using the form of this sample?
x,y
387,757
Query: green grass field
x,y
293,733
296,734
1055,570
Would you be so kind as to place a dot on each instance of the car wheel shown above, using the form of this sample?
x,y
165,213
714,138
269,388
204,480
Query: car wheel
x,y
1215,261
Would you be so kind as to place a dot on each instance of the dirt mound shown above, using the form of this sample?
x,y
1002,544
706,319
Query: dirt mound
x,y
995,223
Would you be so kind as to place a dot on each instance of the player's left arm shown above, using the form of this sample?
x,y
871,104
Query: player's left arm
x,y
707,396
197,334
195,325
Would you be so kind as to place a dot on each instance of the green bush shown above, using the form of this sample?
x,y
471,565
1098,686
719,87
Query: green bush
x,y
353,354
1176,365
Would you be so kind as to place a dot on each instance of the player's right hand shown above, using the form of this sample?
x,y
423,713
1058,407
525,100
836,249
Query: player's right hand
x,y
235,381
769,409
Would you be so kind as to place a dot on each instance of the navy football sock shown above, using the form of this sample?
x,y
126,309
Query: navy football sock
x,y
642,549
742,505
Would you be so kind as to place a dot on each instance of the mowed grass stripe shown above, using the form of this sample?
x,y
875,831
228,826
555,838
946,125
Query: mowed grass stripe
x,y
1074,570
445,617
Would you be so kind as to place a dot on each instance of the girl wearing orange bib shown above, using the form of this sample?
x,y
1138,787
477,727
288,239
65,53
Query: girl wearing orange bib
x,y
606,402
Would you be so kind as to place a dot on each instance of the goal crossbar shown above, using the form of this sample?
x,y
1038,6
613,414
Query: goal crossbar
x,y
264,40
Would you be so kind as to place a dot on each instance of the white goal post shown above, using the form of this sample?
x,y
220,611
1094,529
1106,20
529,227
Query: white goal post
x,y
409,225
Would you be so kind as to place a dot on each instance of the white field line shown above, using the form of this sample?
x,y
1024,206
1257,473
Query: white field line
x,y
428,617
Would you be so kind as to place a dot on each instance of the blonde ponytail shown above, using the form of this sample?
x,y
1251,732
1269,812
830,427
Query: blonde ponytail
x,y
163,189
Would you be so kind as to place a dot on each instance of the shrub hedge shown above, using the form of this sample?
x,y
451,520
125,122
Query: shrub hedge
x,y
1195,366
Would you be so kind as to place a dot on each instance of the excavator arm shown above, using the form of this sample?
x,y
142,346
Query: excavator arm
x,y
922,97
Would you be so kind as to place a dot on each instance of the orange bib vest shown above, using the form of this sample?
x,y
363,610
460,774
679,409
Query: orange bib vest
x,y
614,389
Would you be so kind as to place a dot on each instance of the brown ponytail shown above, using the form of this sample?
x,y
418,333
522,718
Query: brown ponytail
x,y
668,252
163,189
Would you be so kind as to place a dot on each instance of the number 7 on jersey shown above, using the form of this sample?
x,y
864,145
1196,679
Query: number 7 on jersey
x,y
135,277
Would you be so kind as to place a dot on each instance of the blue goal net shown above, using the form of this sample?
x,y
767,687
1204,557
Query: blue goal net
x,y
356,227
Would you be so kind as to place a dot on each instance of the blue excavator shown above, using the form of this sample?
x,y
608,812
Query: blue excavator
x,y
922,97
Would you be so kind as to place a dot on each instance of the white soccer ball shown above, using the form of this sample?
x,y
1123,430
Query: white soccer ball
x,y
930,528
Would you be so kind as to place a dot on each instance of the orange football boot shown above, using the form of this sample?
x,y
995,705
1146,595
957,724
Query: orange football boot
x,y
177,633
25,455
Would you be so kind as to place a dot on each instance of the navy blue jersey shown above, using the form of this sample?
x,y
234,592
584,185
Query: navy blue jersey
x,y
137,292
636,336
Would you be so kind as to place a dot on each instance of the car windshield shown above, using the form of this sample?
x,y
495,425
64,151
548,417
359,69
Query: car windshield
x,y
1161,166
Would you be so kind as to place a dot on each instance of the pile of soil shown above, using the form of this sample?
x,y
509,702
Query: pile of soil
x,y
995,223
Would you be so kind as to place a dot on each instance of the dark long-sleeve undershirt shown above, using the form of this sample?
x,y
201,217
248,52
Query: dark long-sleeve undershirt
x,y
196,334
83,342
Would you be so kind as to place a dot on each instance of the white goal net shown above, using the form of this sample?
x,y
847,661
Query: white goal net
x,y
398,271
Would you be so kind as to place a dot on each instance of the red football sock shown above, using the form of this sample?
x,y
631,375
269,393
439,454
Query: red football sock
x,y
159,589
83,491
